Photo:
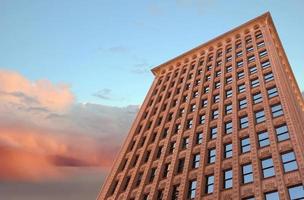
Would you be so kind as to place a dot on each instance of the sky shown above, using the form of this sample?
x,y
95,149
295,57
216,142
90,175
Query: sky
x,y
74,73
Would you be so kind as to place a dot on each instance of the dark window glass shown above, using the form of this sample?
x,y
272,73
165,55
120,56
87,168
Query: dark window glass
x,y
265,64
253,69
262,54
185,143
175,192
268,77
202,119
228,80
180,165
228,93
215,114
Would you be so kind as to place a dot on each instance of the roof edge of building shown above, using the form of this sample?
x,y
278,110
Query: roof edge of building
x,y
265,16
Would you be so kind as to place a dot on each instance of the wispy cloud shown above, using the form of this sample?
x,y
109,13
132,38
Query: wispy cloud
x,y
103,94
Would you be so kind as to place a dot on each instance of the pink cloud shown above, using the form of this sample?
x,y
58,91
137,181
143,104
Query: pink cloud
x,y
42,130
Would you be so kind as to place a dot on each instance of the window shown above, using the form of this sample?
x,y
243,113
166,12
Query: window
x,y
245,145
209,68
228,179
272,92
260,44
267,167
185,143
258,35
253,69
217,85
138,180
241,88
218,63
192,107
228,150
247,173
268,77
208,77
228,109
126,183
257,98
152,174
213,132
159,152
199,138
229,69
177,128
239,45
166,170
255,83
240,64
250,59
296,192
189,123
172,147
260,116
209,184
215,114
228,93
228,59
147,156
263,139
160,195
202,119
228,127
262,54
218,73
211,155
192,188
206,89
175,192
242,103
196,161
228,80
204,102
241,75
239,54
229,49
249,49
244,122
249,198
277,110
272,195
282,132
265,64
216,98
180,166
289,161
195,94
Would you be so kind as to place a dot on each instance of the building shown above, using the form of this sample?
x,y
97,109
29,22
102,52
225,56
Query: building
x,y
221,121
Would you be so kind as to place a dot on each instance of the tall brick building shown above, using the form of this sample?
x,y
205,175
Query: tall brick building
x,y
224,120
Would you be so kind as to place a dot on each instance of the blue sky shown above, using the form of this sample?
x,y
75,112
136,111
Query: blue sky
x,y
105,49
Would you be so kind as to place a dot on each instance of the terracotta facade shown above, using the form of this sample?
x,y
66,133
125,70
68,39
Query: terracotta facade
x,y
221,121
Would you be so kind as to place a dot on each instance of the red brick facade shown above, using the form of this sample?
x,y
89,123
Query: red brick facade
x,y
221,121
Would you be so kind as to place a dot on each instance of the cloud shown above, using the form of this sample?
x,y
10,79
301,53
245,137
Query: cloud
x,y
43,130
103,94
118,49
